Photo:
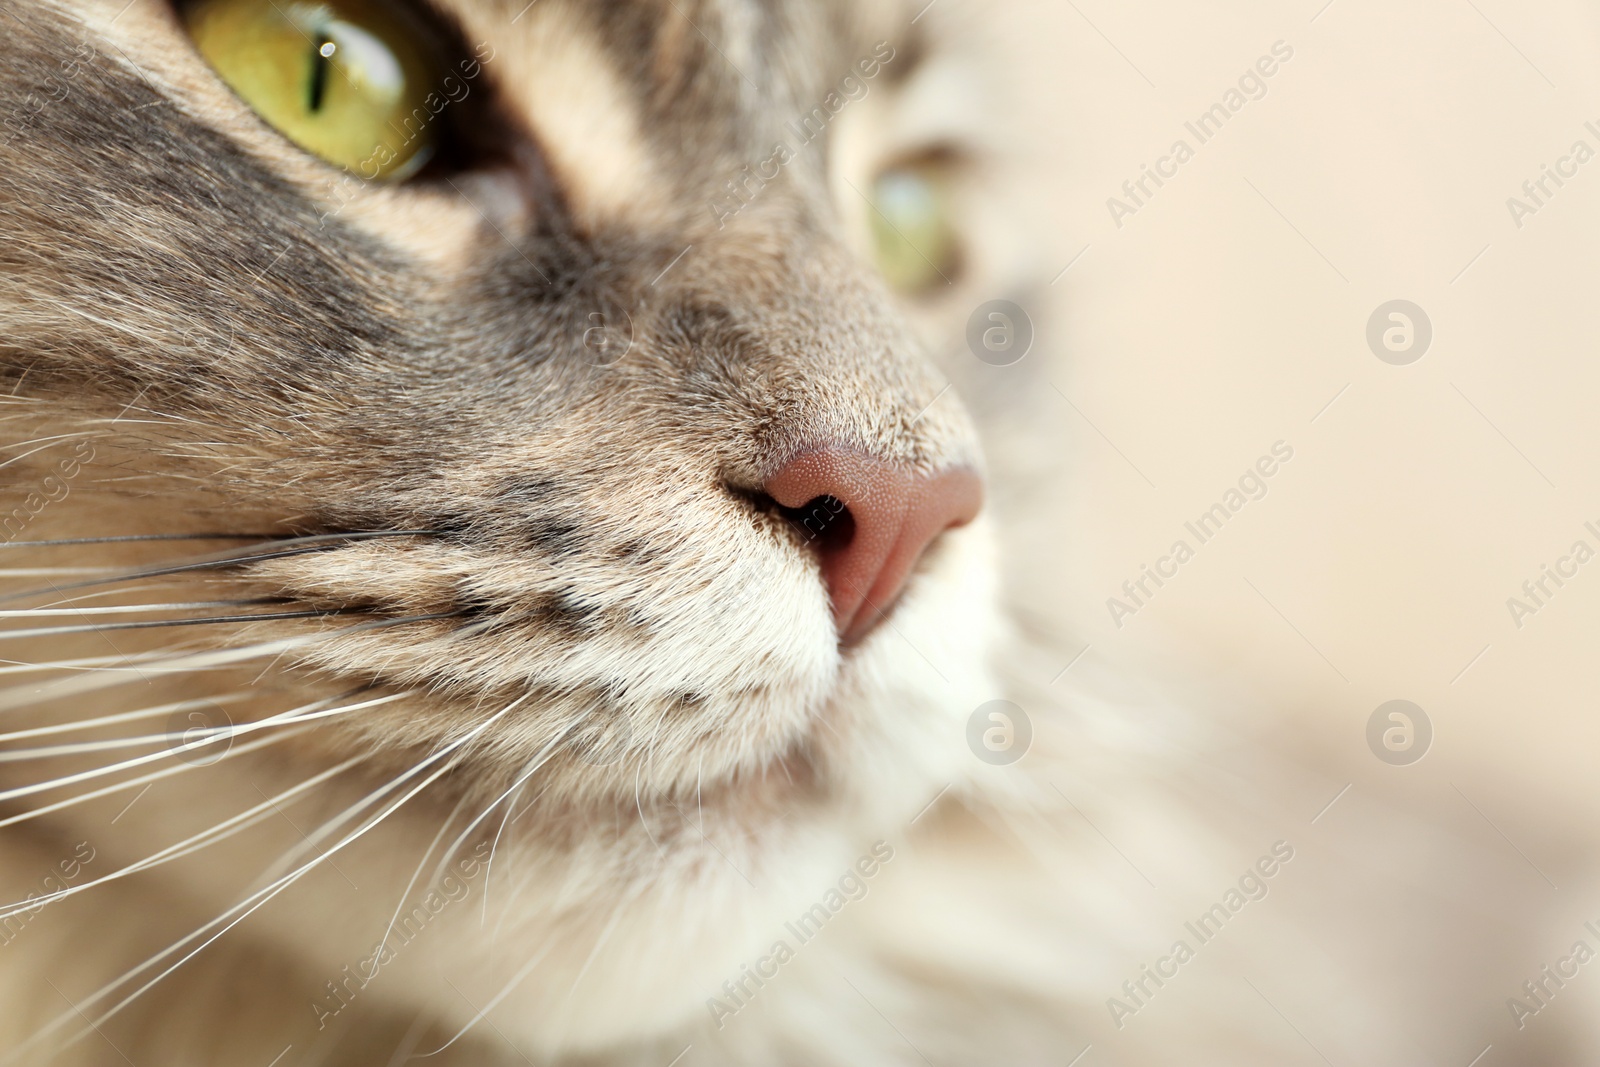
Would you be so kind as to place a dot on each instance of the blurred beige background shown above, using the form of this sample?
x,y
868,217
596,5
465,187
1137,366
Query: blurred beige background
x,y
1228,312
1231,311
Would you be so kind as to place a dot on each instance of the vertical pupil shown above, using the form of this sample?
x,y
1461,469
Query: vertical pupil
x,y
321,60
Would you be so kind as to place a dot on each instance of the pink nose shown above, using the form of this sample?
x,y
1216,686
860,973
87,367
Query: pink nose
x,y
870,522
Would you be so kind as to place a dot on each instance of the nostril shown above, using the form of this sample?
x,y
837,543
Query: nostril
x,y
824,522
869,522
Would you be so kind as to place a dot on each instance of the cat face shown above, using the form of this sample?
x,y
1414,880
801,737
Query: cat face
x,y
574,361
523,417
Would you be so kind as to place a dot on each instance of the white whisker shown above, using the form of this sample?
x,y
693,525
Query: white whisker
x,y
322,832
49,443
17,697
110,744
408,1043
638,806
527,876
124,662
294,716
494,849
483,1013
417,873
166,772
159,624
129,609
126,716
539,760
594,953
220,832
129,538
521,976
52,572
280,548
241,911
100,594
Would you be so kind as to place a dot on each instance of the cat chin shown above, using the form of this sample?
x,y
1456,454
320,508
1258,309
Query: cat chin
x,y
597,925
677,906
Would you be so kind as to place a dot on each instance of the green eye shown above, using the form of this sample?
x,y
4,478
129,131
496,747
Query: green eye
x,y
913,236
345,79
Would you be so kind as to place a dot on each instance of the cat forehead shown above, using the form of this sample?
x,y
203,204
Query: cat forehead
x,y
620,93
679,60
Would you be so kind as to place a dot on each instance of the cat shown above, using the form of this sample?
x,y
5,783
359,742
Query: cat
x,y
528,586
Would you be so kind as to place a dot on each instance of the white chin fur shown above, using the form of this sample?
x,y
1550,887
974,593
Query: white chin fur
x,y
626,958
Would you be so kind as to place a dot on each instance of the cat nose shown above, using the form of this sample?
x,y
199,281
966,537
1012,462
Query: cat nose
x,y
870,522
